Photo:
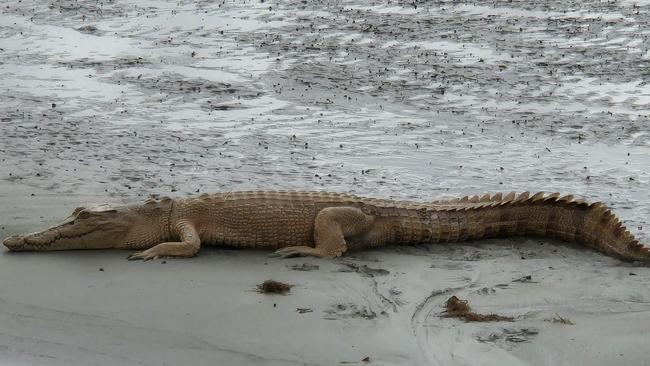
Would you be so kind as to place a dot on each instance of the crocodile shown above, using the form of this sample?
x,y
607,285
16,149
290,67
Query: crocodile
x,y
326,225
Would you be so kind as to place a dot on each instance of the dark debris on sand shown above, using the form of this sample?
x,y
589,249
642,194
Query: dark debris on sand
x,y
274,287
457,308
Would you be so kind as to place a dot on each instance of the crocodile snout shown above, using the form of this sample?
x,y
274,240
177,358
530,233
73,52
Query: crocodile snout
x,y
14,242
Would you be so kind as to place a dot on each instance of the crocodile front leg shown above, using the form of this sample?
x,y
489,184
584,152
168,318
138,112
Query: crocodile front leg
x,y
331,227
188,246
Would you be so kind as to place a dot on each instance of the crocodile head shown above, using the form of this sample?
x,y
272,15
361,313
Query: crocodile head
x,y
99,227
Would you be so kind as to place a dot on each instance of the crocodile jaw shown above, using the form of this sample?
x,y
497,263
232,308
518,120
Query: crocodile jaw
x,y
50,240
102,227
15,242
95,228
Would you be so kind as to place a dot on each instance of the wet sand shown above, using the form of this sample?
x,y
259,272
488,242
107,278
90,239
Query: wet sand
x,y
113,102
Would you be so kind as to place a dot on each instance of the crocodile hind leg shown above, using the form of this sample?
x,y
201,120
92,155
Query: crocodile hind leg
x,y
331,227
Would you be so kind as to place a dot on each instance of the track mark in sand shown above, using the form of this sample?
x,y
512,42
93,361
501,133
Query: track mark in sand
x,y
428,355
391,300
507,338
350,310
305,267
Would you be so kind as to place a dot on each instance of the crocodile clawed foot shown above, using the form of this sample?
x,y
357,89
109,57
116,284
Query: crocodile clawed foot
x,y
145,255
301,251
298,251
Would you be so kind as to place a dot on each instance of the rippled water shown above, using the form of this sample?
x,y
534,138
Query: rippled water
x,y
118,100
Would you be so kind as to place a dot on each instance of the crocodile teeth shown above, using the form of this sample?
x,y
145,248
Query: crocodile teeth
x,y
59,236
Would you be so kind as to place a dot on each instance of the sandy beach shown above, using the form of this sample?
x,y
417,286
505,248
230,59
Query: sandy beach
x,y
116,101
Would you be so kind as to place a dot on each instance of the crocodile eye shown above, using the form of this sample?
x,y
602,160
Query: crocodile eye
x,y
83,215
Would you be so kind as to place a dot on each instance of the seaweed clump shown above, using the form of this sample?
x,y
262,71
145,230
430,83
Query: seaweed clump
x,y
274,287
457,308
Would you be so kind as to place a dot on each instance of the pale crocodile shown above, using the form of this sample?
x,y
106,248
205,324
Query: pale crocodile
x,y
326,225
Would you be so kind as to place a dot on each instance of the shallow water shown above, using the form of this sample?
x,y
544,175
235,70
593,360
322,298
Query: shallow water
x,y
128,99
115,100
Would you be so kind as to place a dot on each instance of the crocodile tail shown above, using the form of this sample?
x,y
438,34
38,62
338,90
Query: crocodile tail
x,y
565,218
603,231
